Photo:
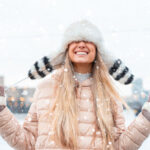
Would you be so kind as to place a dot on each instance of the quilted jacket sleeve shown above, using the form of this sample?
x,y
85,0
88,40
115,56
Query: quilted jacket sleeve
x,y
20,137
132,137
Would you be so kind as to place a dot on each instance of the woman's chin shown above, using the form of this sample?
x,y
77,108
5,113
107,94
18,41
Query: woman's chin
x,y
81,62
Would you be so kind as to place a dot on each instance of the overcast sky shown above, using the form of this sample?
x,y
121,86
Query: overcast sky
x,y
30,29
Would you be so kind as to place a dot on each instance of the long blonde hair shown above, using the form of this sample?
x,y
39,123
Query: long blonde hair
x,y
65,109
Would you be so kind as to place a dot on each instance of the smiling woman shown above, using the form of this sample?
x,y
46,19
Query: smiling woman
x,y
77,107
82,54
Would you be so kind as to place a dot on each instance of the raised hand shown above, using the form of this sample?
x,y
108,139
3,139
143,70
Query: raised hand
x,y
2,98
2,91
40,69
146,109
149,99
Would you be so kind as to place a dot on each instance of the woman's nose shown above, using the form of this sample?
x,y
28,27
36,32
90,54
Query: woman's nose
x,y
81,44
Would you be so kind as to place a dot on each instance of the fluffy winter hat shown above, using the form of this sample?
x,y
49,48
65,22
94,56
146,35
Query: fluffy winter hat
x,y
79,31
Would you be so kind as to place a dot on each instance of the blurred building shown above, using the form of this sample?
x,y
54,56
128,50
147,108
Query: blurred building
x,y
137,86
2,80
19,99
138,97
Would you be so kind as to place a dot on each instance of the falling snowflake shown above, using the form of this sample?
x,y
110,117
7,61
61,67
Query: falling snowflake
x,y
29,119
98,133
25,92
51,133
85,117
65,70
97,67
109,143
93,130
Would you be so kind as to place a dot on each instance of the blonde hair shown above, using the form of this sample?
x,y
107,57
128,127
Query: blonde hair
x,y
65,111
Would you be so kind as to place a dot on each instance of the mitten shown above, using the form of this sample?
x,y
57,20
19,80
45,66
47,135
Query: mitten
x,y
146,110
2,99
40,68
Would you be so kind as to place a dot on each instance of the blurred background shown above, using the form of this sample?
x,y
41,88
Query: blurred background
x,y
30,29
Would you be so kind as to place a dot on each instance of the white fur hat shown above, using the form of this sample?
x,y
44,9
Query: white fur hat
x,y
79,31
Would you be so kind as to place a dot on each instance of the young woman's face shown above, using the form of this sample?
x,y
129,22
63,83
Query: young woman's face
x,y
82,52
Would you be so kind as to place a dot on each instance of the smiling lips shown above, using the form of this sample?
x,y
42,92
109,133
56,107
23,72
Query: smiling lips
x,y
81,53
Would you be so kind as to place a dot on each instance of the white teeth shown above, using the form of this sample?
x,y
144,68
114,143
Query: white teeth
x,y
81,53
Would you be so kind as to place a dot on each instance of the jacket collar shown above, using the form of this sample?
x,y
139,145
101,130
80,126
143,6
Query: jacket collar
x,y
87,82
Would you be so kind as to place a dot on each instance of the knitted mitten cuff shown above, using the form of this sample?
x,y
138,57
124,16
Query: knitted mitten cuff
x,y
146,106
2,100
146,110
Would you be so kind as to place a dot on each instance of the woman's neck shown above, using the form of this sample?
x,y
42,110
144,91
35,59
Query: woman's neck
x,y
82,68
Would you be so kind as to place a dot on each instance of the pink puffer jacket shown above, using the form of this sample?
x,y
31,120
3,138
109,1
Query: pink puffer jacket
x,y
33,135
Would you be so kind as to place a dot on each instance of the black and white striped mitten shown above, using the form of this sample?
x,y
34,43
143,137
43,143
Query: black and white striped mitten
x,y
117,70
41,68
120,72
